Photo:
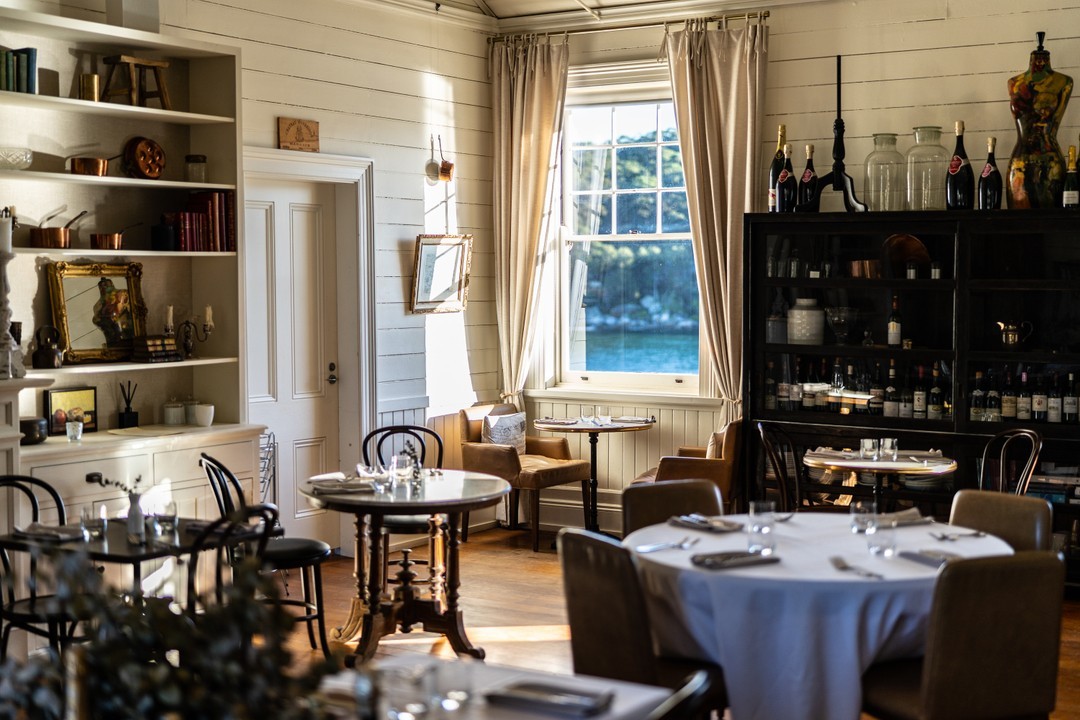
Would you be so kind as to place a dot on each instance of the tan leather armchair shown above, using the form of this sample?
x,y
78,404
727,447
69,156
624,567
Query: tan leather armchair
x,y
546,463
721,466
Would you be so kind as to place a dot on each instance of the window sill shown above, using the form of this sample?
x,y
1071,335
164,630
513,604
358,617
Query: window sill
x,y
622,397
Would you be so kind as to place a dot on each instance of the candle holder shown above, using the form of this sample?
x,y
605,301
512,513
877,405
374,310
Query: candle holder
x,y
11,361
169,330
189,334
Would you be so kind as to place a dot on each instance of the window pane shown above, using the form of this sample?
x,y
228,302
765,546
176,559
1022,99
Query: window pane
x,y
674,217
635,167
592,169
590,125
671,168
635,123
668,129
592,214
636,213
634,307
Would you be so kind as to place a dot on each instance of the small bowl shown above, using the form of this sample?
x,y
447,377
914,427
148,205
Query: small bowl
x,y
89,166
12,158
34,430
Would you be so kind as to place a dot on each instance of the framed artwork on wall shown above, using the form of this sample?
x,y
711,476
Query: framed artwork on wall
x,y
441,276
77,403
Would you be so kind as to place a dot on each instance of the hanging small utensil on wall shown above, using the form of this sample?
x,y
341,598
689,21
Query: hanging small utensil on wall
x,y
446,168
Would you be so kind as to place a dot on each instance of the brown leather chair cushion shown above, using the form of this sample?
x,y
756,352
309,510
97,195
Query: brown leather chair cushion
x,y
538,472
1026,523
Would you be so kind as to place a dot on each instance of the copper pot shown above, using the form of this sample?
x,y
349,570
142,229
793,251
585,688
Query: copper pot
x,y
59,237
106,241
89,166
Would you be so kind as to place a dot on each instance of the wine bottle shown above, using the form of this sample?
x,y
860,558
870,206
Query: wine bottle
x,y
847,400
891,407
1008,399
907,400
776,166
876,403
1039,401
990,180
960,180
1070,403
836,391
809,181
783,385
1023,398
935,406
787,185
1054,401
993,400
977,401
809,396
821,397
1071,197
770,386
919,395
894,324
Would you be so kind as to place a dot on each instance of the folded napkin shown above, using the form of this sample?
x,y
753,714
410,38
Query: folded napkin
x,y
911,516
731,559
933,558
328,476
558,421
333,486
632,419
58,533
708,524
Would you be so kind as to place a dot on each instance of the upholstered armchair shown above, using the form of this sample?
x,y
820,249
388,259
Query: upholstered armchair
x,y
717,462
545,463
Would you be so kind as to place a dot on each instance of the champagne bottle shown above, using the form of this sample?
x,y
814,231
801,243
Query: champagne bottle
x,y
1054,400
960,180
787,185
891,407
977,401
919,396
1070,403
1023,398
907,401
1071,197
809,181
894,324
1039,400
993,400
1008,399
935,407
776,166
990,180
770,386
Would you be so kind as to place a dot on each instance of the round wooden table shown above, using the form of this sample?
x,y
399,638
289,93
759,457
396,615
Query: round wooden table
x,y
593,429
373,613
907,463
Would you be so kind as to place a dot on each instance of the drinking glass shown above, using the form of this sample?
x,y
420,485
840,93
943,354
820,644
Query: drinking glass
x,y
93,528
453,684
881,535
603,415
840,320
760,538
861,513
890,448
406,692
166,516
869,449
74,430
401,468
587,414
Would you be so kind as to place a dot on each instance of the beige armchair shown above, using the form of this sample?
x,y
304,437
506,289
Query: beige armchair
x,y
718,463
546,463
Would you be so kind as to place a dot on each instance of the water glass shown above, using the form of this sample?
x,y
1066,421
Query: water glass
x,y
93,528
453,684
890,448
406,692
587,414
862,511
869,448
401,468
166,516
74,430
603,415
760,537
881,535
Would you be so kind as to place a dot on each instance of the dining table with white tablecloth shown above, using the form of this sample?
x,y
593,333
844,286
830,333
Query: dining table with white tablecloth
x,y
795,636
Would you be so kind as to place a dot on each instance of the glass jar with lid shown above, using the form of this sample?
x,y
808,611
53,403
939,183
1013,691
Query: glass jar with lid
x,y
884,186
927,163
195,168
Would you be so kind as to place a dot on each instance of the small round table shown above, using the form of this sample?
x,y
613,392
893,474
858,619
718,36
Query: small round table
x,y
373,613
914,463
593,429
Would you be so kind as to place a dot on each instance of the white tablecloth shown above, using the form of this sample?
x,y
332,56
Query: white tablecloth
x,y
795,637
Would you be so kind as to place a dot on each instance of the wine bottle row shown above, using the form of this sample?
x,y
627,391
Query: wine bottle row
x,y
1028,395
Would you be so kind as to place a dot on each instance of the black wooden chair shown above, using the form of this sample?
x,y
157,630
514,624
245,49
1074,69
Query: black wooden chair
x,y
1009,460
44,615
784,459
305,555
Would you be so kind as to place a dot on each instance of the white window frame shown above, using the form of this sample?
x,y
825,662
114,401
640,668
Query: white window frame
x,y
616,84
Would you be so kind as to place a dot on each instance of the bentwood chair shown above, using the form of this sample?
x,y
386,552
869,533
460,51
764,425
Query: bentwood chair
x,y
613,638
783,462
652,503
305,555
379,446
1009,460
1024,522
686,702
717,462
43,615
249,530
991,649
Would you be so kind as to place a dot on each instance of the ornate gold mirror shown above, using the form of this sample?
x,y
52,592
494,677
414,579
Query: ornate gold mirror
x,y
97,308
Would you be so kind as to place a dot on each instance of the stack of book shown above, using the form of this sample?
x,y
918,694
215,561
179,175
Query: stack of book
x,y
18,70
208,224
156,349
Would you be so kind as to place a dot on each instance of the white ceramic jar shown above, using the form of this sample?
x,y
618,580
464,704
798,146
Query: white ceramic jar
x,y
806,323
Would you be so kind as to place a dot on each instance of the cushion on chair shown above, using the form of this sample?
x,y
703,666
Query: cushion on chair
x,y
505,430
888,688
538,472
285,553
407,524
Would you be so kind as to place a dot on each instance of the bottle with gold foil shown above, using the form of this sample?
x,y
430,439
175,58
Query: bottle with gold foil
x,y
1070,196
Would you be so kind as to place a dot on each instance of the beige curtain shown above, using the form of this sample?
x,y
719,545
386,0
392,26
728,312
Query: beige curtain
x,y
528,90
718,83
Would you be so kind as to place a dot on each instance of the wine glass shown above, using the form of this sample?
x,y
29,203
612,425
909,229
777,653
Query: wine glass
x,y
401,468
840,320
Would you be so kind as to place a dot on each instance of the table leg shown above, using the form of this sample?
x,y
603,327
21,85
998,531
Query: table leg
x,y
594,516
359,606
451,621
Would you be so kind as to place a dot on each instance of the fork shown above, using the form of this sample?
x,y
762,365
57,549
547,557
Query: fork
x,y
685,544
841,564
950,537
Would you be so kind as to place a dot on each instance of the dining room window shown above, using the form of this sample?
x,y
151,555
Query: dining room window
x,y
629,289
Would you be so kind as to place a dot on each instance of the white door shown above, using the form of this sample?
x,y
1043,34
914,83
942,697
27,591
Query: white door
x,y
292,363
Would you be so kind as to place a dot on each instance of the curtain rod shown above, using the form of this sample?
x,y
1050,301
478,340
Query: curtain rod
x,y
639,26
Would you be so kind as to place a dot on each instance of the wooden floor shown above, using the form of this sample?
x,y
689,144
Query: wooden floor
x,y
513,604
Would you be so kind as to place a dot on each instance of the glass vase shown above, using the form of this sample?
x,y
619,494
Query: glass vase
x,y
884,184
927,163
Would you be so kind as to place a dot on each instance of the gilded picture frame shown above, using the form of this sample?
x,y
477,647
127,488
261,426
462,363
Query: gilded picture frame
x,y
97,308
441,274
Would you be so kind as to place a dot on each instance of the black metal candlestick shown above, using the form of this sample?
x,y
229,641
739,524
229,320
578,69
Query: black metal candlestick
x,y
838,178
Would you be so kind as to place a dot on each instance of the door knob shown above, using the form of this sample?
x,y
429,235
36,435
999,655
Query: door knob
x,y
333,378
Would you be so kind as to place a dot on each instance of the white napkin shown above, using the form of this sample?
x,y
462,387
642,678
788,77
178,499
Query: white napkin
x,y
60,533
632,419
911,516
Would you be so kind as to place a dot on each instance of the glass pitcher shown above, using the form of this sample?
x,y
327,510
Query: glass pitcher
x,y
884,184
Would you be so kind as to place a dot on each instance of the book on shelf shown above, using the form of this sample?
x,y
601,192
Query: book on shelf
x,y
154,342
27,73
161,356
207,224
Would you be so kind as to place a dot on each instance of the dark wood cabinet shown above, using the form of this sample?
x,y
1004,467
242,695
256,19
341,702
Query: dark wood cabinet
x,y
955,276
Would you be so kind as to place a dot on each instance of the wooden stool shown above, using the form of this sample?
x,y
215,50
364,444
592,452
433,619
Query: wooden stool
x,y
136,91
